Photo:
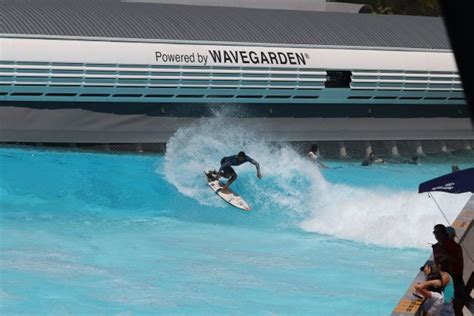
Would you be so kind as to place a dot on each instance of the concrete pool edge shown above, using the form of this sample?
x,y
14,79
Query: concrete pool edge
x,y
464,226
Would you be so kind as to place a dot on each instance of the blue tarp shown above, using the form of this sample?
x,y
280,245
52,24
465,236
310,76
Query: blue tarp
x,y
456,182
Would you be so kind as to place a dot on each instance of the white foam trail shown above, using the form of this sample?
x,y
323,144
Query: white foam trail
x,y
401,219
193,149
294,192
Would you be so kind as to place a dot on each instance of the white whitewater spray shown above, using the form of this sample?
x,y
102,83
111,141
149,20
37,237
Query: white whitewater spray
x,y
396,219
202,145
294,193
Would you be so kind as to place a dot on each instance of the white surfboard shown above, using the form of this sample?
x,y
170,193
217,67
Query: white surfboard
x,y
229,196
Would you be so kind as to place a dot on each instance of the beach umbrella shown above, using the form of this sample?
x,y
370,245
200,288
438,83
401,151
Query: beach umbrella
x,y
456,182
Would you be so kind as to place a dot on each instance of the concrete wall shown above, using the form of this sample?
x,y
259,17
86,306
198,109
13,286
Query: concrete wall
x,y
23,124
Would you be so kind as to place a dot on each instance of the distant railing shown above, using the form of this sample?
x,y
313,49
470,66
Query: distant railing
x,y
57,81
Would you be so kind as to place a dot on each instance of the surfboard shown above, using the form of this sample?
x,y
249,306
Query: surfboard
x,y
229,196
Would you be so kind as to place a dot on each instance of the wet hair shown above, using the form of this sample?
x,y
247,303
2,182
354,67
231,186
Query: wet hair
x,y
414,158
314,148
441,228
428,263
241,154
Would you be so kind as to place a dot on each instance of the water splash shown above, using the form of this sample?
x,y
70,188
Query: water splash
x,y
395,219
293,193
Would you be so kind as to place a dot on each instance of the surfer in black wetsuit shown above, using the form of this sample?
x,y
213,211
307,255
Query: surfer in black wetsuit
x,y
227,171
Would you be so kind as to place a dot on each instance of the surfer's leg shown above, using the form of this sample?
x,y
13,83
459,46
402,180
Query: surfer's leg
x,y
232,178
224,174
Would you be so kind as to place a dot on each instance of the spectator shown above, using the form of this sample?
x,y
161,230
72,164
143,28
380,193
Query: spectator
x,y
431,289
447,285
451,232
448,289
448,250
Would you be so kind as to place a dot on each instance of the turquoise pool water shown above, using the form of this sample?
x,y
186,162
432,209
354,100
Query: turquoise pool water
x,y
87,233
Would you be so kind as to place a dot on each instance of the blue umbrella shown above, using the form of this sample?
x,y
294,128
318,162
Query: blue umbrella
x,y
456,182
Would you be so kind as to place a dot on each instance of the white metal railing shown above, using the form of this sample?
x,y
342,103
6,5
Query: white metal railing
x,y
150,76
410,80
29,79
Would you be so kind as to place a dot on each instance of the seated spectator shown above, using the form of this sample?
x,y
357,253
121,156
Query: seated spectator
x,y
448,290
431,289
447,282
448,250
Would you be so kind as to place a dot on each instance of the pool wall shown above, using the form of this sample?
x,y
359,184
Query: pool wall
x,y
338,137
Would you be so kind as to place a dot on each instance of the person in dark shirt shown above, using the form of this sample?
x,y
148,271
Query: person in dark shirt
x,y
371,159
227,171
446,249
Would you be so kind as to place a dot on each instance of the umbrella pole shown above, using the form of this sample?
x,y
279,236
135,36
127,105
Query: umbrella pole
x,y
439,208
449,224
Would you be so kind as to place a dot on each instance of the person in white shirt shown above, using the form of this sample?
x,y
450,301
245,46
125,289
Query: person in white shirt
x,y
431,290
313,155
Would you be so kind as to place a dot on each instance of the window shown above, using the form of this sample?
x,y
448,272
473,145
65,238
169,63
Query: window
x,y
338,79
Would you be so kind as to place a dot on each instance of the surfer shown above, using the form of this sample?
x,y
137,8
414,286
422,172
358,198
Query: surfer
x,y
227,171
314,156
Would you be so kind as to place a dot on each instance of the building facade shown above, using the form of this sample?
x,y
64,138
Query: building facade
x,y
134,72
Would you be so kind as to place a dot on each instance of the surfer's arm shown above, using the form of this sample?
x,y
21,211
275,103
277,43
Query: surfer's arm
x,y
255,163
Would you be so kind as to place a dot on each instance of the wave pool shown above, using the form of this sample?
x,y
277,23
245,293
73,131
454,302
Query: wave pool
x,y
95,233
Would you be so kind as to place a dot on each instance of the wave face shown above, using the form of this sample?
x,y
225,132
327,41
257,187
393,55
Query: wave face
x,y
294,194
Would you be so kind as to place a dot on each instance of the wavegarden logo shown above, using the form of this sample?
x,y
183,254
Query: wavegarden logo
x,y
233,57
258,58
445,187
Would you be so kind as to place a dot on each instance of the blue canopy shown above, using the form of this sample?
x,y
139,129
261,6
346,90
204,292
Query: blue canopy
x,y
456,182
